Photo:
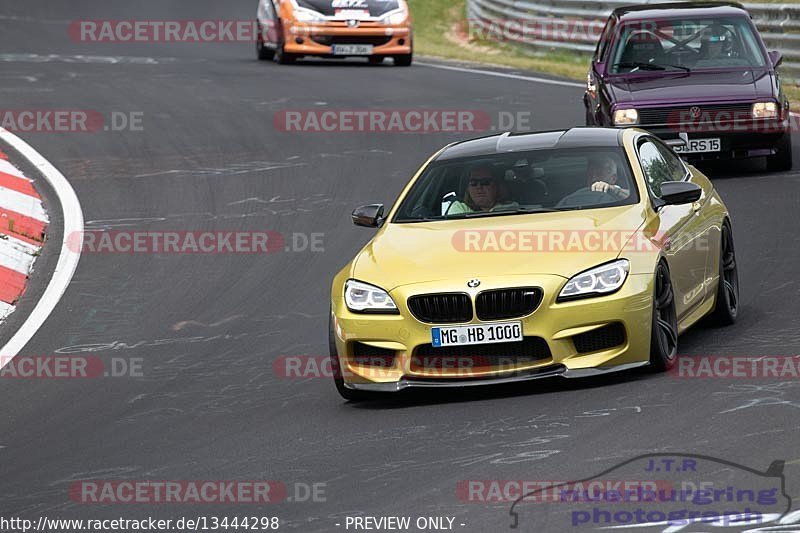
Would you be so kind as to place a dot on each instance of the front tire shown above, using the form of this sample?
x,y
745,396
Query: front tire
x,y
664,334
262,52
726,308
282,57
782,161
403,60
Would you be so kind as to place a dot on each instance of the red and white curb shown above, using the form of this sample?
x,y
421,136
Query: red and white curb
x,y
31,236
23,222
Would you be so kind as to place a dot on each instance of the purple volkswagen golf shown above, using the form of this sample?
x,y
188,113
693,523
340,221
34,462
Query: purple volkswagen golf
x,y
695,73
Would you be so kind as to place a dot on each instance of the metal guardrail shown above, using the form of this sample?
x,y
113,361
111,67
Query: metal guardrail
x,y
779,24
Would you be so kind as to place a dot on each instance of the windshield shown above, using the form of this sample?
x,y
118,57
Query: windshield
x,y
686,45
520,183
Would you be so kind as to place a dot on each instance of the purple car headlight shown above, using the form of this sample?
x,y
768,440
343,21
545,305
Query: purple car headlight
x,y
626,117
765,110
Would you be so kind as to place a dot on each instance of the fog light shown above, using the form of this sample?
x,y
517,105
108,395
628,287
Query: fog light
x,y
401,42
299,40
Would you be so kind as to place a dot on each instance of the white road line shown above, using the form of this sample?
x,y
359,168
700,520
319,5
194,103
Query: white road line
x,y
508,75
67,258
21,203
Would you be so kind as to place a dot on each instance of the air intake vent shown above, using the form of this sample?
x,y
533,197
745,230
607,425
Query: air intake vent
x,y
603,338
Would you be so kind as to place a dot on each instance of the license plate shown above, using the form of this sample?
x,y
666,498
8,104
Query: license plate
x,y
352,49
352,14
696,146
478,334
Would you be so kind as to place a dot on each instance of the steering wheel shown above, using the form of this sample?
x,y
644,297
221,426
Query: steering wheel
x,y
586,197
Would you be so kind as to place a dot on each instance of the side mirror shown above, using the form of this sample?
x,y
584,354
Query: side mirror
x,y
679,193
776,58
369,216
678,144
600,69
675,144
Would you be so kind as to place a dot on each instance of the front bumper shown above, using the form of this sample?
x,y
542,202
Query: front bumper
x,y
739,141
401,337
542,373
318,39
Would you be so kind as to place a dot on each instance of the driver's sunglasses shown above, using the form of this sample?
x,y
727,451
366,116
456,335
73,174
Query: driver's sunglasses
x,y
482,183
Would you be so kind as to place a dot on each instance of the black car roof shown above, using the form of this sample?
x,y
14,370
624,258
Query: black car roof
x,y
679,9
523,142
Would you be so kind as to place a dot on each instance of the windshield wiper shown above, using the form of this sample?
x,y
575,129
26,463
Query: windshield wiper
x,y
679,67
524,210
517,211
649,66
639,65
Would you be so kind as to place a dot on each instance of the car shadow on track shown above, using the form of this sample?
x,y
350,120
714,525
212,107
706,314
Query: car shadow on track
x,y
316,62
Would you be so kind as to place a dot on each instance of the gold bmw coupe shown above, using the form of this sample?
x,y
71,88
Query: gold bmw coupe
x,y
523,256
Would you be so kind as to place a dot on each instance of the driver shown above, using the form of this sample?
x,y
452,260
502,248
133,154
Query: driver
x,y
603,177
485,192
716,42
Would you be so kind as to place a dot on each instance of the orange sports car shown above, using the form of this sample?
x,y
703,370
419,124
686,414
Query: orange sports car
x,y
375,29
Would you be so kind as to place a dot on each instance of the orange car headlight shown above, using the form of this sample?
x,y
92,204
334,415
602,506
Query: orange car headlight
x,y
395,18
307,15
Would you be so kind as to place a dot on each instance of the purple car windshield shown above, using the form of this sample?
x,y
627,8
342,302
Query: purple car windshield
x,y
686,44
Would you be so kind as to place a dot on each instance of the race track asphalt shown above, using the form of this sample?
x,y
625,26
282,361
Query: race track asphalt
x,y
208,328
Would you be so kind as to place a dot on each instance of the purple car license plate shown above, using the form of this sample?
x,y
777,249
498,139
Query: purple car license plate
x,y
698,146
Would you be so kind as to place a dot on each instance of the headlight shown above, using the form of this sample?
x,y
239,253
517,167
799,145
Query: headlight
x,y
394,18
598,281
306,15
765,110
364,298
626,117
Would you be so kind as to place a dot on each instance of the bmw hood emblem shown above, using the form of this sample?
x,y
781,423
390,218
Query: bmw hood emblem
x,y
473,283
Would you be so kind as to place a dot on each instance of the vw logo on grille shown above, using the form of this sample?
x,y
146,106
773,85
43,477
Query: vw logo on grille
x,y
695,112
352,23
473,283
